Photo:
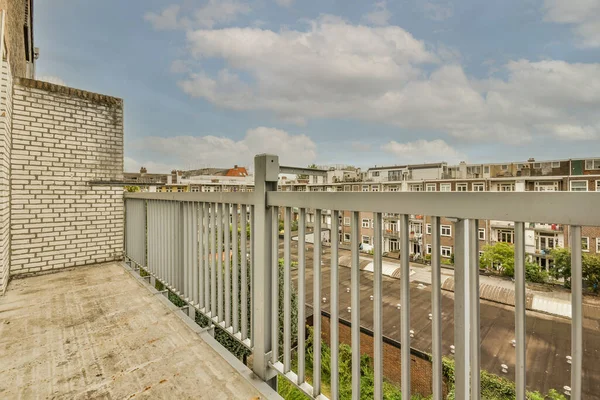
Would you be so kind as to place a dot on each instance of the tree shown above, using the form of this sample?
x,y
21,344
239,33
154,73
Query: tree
x,y
132,189
561,269
501,257
591,271
304,176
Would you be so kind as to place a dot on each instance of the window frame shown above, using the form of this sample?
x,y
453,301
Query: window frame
x,y
479,233
448,228
480,185
504,167
587,240
347,237
346,221
362,222
362,239
553,164
428,249
486,169
462,187
446,248
592,164
506,232
428,229
578,181
598,185
598,245
443,187
537,165
429,186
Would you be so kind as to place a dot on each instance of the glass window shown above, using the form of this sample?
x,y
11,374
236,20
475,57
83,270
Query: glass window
x,y
481,234
592,164
416,188
546,186
375,188
585,243
428,249
537,165
461,187
478,187
504,167
347,221
393,188
430,187
365,188
486,169
346,237
597,186
366,240
579,186
446,251
507,187
506,236
365,223
446,230
445,187
555,164
428,229
598,245
375,173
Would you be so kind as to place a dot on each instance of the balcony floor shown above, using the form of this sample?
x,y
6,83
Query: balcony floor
x,y
96,332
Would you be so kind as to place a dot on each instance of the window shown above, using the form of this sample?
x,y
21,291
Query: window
x,y
446,251
481,234
598,245
446,230
507,187
375,188
366,240
481,253
579,186
478,187
597,186
195,189
592,164
375,173
346,237
585,244
169,190
393,188
537,165
555,164
365,223
445,187
519,167
430,187
347,221
428,249
504,167
461,187
416,188
180,189
365,188
506,236
546,186
347,188
486,169
428,229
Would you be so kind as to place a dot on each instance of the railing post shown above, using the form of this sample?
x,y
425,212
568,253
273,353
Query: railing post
x,y
266,172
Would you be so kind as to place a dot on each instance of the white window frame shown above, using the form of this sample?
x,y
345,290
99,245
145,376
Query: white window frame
x,y
585,248
486,169
347,221
365,188
592,164
462,187
428,249
503,186
430,187
507,232
481,233
428,229
362,239
393,188
571,186
347,237
417,186
447,250
546,186
504,167
537,165
481,253
478,187
195,189
447,228
375,188
445,187
555,164
598,186
597,245
365,224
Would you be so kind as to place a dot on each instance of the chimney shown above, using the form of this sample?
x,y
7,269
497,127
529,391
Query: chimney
x,y
531,160
235,166
143,170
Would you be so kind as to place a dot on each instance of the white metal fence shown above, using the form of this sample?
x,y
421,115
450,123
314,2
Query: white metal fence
x,y
182,240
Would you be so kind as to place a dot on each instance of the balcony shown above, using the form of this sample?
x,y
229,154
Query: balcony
x,y
107,331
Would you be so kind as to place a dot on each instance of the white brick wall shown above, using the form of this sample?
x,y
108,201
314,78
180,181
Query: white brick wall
x,y
5,151
62,139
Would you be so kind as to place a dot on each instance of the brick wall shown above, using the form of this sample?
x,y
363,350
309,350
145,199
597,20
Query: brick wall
x,y
62,139
421,369
5,152
13,31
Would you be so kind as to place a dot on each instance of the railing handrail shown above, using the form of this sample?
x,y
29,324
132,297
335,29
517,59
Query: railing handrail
x,y
246,198
556,207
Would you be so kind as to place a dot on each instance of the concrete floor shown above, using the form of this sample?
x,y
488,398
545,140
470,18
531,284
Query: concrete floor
x,y
96,332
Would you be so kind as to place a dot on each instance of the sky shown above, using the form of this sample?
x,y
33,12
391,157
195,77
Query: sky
x,y
214,82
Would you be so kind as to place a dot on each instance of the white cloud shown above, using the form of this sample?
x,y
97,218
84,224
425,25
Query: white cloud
x,y
438,11
380,15
285,3
51,79
338,70
167,19
423,150
584,15
214,12
198,151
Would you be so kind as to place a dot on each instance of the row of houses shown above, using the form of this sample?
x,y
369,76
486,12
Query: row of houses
x,y
540,239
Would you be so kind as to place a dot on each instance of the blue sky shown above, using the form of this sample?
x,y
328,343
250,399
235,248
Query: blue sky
x,y
213,82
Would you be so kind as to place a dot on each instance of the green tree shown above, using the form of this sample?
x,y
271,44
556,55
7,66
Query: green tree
x,y
304,176
561,269
500,257
591,271
132,189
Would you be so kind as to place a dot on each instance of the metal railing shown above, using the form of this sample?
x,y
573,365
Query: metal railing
x,y
180,239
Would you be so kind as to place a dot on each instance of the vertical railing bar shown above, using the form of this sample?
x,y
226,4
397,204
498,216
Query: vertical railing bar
x,y
335,306
190,239
461,310
236,293
244,256
275,285
204,257
520,368
302,296
252,232
317,305
377,308
213,260
475,325
196,257
405,307
186,249
169,224
576,313
355,305
436,309
287,291
226,214
220,262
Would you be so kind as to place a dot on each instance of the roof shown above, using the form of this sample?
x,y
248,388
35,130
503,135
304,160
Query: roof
x,y
409,166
